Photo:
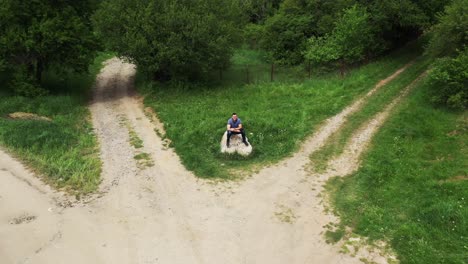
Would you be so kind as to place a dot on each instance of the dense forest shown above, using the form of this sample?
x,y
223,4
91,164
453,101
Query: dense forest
x,y
186,40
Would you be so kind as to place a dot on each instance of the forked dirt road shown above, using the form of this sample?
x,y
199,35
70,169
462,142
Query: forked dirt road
x,y
163,213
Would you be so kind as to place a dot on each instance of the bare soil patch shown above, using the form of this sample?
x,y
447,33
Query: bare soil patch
x,y
28,116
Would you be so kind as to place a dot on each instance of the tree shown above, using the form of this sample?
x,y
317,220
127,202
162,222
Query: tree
x,y
253,34
182,39
449,76
285,36
36,35
449,81
394,23
348,43
398,21
286,33
258,10
450,35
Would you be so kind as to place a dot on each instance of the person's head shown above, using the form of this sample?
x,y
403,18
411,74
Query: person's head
x,y
234,116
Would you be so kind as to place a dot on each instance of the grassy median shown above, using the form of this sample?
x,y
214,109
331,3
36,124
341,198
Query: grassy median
x,y
376,103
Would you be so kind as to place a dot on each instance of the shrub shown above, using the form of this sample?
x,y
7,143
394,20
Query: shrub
x,y
449,81
25,85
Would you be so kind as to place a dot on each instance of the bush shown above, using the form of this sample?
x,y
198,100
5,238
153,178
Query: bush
x,y
449,81
24,85
349,42
451,33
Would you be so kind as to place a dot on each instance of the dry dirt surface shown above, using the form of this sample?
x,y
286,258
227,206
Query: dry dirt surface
x,y
158,212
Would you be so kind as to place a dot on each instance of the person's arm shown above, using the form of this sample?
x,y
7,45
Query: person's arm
x,y
229,127
238,128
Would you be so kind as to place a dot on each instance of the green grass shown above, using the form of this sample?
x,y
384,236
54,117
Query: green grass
x,y
376,103
143,160
142,156
333,236
135,141
64,150
412,188
277,116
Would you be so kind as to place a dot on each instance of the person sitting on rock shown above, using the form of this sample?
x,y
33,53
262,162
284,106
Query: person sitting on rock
x,y
234,126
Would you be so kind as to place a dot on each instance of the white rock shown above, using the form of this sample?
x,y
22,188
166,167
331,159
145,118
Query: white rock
x,y
236,145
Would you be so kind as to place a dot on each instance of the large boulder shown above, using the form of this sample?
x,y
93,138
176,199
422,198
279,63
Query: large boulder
x,y
236,145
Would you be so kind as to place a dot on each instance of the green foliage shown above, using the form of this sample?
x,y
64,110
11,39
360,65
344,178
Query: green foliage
x,y
25,85
449,85
286,33
399,21
36,35
296,107
390,24
141,156
3,64
258,10
321,50
175,39
412,187
451,33
285,36
353,34
334,236
351,39
401,14
449,81
253,35
64,149
247,57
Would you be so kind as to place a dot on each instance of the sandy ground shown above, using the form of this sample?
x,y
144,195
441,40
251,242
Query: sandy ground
x,y
163,213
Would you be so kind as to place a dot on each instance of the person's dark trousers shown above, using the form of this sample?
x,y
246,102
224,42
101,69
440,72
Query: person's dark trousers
x,y
230,133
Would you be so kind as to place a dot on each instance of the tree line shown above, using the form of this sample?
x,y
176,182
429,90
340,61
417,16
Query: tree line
x,y
186,39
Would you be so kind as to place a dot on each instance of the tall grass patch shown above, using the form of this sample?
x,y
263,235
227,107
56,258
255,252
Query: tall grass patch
x,y
277,116
63,149
412,187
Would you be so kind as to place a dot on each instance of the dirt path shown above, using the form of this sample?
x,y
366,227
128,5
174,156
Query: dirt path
x,y
162,213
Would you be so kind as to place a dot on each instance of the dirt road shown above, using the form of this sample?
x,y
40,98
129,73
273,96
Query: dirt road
x,y
162,213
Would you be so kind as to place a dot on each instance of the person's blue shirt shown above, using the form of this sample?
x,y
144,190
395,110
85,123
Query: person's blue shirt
x,y
234,124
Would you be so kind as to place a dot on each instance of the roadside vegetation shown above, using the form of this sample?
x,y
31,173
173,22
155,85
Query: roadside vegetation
x,y
413,184
277,115
376,103
64,150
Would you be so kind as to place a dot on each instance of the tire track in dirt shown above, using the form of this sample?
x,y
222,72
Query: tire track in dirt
x,y
125,180
279,208
348,161
163,214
